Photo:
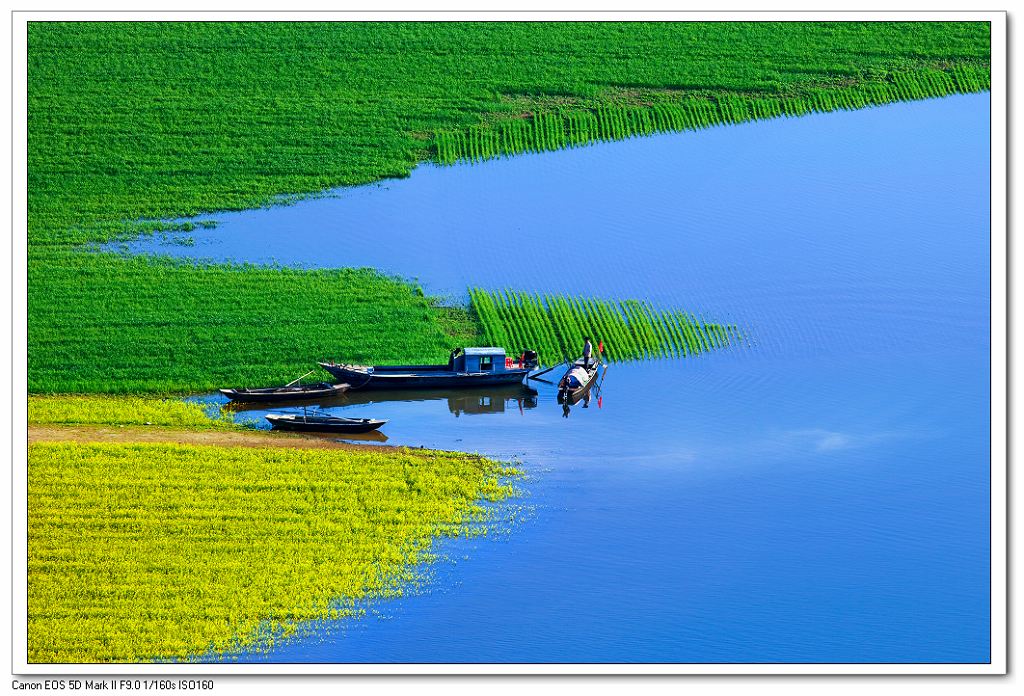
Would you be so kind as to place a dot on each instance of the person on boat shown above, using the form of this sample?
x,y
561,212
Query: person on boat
x,y
588,350
451,358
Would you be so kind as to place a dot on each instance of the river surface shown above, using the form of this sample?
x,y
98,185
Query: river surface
x,y
818,494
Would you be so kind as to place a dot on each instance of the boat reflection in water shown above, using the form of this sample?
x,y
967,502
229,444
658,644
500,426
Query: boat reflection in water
x,y
470,402
473,403
567,404
372,437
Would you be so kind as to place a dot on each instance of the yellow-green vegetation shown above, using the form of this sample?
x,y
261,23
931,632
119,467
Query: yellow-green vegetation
x,y
134,122
630,330
146,551
92,409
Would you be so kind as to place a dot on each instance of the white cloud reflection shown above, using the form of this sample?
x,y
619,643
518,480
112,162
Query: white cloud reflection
x,y
822,440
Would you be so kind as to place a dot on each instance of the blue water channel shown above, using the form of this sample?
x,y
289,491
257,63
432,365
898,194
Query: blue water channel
x,y
818,494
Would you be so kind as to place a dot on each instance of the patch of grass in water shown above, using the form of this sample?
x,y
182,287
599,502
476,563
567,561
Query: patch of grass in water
x,y
556,325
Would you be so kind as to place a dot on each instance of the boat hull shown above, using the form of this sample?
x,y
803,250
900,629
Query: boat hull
x,y
573,396
271,395
415,377
317,425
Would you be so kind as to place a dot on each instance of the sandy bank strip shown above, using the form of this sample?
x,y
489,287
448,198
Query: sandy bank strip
x,y
223,438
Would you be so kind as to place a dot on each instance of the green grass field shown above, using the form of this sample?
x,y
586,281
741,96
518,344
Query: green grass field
x,y
157,551
575,123
129,123
148,325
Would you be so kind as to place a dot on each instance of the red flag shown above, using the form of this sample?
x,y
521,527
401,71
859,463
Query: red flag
x,y
600,346
599,400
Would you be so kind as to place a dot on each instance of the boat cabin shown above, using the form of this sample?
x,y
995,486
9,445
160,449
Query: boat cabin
x,y
490,359
480,360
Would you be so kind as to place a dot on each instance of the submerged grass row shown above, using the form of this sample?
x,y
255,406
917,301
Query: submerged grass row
x,y
566,127
146,551
630,330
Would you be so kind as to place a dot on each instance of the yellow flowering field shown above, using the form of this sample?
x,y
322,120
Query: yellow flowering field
x,y
162,551
97,409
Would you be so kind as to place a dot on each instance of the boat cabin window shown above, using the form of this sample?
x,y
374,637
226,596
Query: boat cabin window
x,y
485,363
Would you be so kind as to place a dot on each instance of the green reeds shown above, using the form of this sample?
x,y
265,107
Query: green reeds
x,y
555,326
561,128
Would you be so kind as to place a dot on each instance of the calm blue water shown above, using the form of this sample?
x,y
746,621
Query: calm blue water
x,y
820,495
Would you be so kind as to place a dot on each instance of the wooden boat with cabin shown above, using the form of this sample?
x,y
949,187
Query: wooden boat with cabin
x,y
469,367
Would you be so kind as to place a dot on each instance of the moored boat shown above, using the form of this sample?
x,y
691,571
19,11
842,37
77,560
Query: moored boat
x,y
301,392
577,381
469,367
321,423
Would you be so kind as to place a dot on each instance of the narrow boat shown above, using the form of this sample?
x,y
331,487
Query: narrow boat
x,y
319,423
577,381
469,367
301,392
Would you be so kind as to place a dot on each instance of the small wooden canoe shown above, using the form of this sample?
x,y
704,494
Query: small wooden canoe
x,y
301,392
572,390
322,423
